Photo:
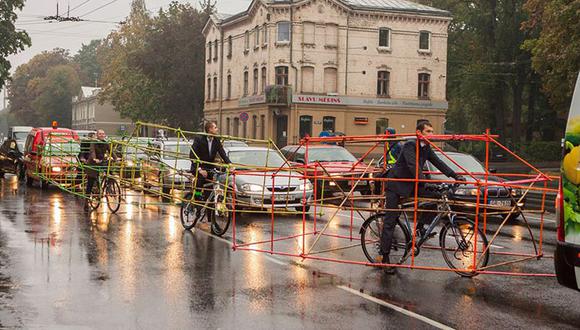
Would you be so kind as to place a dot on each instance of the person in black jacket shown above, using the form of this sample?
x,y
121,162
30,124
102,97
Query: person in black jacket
x,y
405,168
206,148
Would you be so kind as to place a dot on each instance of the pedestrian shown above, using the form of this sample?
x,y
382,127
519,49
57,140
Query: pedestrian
x,y
405,168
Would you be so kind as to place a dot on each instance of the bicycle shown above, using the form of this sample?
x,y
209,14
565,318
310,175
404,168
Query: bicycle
x,y
456,238
108,188
213,199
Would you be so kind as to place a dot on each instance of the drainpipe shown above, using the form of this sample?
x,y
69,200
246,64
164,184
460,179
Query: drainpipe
x,y
346,55
221,75
290,117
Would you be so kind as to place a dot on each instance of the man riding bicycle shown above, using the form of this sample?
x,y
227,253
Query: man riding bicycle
x,y
405,168
96,156
206,148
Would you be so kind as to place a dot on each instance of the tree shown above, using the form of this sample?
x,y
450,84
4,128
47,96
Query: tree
x,y
25,86
153,67
11,40
556,50
88,66
56,90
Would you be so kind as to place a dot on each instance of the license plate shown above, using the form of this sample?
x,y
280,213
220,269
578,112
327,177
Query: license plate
x,y
500,202
284,197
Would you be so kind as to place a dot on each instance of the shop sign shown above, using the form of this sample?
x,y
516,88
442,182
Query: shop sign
x,y
253,99
370,102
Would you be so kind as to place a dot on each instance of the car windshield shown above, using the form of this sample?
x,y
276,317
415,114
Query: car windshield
x,y
258,158
20,135
330,155
176,151
71,148
468,162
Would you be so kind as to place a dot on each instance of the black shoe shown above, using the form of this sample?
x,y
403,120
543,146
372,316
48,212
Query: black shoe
x,y
390,270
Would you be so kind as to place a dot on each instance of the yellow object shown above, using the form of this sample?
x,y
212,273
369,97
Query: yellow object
x,y
571,165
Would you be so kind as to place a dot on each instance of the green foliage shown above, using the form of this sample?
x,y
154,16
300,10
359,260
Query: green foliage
x,y
556,50
11,40
153,67
541,151
88,66
56,91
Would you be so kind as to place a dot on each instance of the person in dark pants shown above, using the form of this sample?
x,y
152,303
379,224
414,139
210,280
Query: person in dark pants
x,y
206,148
405,168
96,157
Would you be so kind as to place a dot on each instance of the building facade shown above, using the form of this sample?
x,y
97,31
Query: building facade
x,y
284,69
88,114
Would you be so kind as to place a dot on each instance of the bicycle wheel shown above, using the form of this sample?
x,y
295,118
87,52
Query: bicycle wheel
x,y
371,232
188,214
95,196
113,195
457,241
219,214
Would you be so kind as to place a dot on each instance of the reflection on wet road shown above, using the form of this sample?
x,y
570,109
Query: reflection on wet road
x,y
61,267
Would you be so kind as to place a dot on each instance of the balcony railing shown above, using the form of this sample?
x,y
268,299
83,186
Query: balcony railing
x,y
278,94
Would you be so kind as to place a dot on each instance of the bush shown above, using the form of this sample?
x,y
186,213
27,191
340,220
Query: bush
x,y
542,151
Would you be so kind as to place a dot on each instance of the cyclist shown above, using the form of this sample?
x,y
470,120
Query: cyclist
x,y
96,156
206,148
405,168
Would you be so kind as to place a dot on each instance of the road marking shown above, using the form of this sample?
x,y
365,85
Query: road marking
x,y
396,308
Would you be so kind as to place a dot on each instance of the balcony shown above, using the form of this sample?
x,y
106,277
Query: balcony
x,y
278,94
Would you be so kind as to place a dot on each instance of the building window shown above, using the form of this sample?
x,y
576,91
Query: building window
x,y
256,77
245,129
215,89
209,51
262,127
328,123
283,31
229,91
384,37
230,46
236,126
208,89
307,79
423,87
247,40
382,124
305,126
265,34
424,40
308,33
330,80
215,48
383,78
331,35
257,37
264,80
254,126
228,126
282,75
245,83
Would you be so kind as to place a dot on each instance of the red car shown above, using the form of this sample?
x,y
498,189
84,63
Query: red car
x,y
50,155
338,162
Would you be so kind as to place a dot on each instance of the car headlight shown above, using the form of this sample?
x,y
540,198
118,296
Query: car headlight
x,y
515,192
251,187
466,191
56,169
306,186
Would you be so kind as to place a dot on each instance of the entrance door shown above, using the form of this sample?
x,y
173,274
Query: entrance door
x,y
281,130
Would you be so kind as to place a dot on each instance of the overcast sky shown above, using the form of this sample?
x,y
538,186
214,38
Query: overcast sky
x,y
71,35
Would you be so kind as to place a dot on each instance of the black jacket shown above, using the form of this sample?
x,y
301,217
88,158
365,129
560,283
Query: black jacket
x,y
405,168
200,147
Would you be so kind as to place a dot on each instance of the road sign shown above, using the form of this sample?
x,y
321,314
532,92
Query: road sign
x,y
244,116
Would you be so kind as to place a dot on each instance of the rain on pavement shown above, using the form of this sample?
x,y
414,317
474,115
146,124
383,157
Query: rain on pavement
x,y
61,267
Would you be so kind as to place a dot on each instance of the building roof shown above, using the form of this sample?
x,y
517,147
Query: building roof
x,y
394,5
89,91
403,6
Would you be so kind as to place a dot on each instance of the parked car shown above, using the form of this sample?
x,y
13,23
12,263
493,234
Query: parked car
x,y
83,134
501,198
50,156
233,143
165,159
10,158
338,162
257,188
133,152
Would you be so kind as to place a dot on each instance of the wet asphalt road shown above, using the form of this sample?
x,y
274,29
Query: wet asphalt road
x,y
63,268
